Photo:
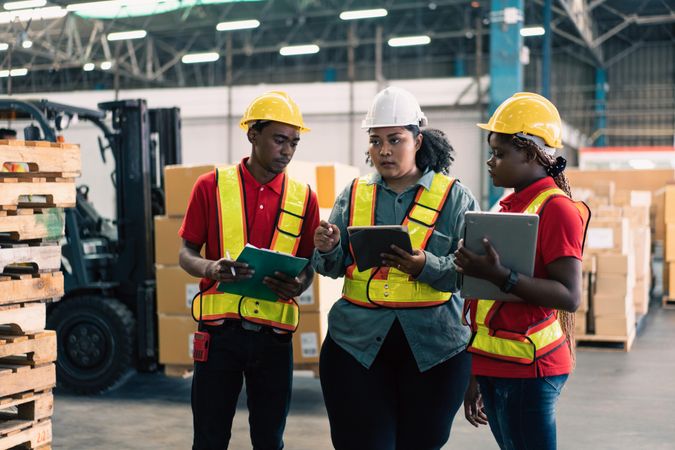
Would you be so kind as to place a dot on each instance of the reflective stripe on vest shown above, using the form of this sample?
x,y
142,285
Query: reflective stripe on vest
x,y
539,339
215,305
387,286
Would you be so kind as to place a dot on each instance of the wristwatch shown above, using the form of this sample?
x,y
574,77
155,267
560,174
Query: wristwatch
x,y
510,282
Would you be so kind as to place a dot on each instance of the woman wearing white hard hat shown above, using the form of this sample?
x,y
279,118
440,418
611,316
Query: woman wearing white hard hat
x,y
393,366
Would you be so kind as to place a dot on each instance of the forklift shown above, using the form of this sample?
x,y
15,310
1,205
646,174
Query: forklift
x,y
106,322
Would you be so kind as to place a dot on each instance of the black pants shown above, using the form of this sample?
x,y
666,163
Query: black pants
x,y
391,405
265,360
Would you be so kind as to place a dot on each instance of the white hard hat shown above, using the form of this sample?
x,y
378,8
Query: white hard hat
x,y
394,107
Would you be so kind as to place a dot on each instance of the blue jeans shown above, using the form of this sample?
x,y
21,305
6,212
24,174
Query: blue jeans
x,y
521,411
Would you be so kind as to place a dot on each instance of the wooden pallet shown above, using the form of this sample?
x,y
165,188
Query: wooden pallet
x,y
17,378
45,224
609,343
30,406
20,288
178,371
41,257
28,435
44,157
35,192
23,318
312,367
28,349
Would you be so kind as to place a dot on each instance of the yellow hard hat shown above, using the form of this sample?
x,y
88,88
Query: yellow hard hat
x,y
526,112
276,106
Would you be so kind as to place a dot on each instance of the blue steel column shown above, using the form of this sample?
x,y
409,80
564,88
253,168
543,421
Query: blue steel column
x,y
600,98
506,72
546,53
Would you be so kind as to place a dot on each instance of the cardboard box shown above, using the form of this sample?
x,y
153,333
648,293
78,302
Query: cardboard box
x,y
669,279
608,236
612,285
175,290
638,216
585,292
615,325
607,212
167,241
641,296
605,189
642,244
331,180
624,197
175,339
320,295
669,203
178,183
669,250
309,336
589,263
604,305
580,323
614,264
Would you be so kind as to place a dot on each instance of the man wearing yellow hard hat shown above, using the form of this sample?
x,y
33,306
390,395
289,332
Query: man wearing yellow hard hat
x,y
253,202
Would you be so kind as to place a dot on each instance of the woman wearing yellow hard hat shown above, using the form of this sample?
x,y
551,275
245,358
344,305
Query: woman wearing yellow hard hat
x,y
393,366
523,352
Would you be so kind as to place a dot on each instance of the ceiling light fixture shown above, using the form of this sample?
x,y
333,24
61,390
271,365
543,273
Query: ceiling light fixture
x,y
409,40
293,50
237,25
532,31
363,14
25,4
193,58
89,67
124,35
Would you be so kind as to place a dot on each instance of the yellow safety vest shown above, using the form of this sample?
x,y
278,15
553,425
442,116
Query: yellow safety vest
x,y
215,305
515,346
387,286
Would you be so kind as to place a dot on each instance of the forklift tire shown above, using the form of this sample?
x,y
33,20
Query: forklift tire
x,y
95,338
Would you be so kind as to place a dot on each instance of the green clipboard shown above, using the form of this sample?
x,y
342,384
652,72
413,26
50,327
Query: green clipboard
x,y
265,262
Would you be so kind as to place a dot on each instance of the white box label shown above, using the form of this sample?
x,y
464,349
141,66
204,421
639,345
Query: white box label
x,y
307,297
309,345
600,238
191,344
191,289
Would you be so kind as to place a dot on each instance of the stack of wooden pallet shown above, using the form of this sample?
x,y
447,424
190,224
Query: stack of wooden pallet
x,y
37,180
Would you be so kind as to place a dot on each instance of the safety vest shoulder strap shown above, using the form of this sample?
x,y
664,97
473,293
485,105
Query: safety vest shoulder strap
x,y
291,216
231,210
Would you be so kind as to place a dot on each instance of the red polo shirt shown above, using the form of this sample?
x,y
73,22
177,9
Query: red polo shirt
x,y
200,225
561,232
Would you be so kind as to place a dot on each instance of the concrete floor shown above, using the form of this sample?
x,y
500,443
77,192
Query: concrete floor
x,y
613,401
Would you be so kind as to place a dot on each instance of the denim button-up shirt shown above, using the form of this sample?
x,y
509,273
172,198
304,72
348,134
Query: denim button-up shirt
x,y
435,334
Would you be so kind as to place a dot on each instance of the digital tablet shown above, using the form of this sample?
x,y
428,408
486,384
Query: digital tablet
x,y
369,242
514,237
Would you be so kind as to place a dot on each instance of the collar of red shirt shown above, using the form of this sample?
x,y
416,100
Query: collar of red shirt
x,y
275,184
519,200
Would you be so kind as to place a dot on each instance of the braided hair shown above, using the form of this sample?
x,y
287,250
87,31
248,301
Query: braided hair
x,y
436,152
554,168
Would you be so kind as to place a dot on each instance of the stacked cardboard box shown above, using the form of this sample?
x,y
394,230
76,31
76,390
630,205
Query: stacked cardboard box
x,y
175,288
619,238
36,183
588,272
669,249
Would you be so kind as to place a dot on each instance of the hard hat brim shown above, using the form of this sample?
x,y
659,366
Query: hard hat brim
x,y
244,125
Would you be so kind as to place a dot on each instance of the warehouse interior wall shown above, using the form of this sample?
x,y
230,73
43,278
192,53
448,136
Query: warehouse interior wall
x,y
450,104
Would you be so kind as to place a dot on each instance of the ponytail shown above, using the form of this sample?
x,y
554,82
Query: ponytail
x,y
436,153
555,169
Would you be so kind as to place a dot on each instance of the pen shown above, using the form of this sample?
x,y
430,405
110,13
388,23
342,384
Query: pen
x,y
227,253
